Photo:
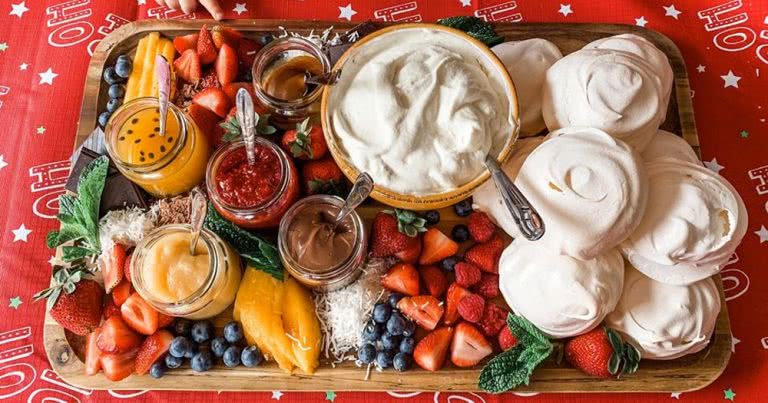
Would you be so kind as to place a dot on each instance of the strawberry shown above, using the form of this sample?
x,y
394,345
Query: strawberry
x,y
92,354
602,353
396,233
468,347
121,293
425,310
306,142
209,80
467,274
117,337
225,36
111,266
437,246
127,268
139,315
411,253
246,53
164,320
402,278
453,296
118,366
206,50
488,287
471,308
507,339
481,228
185,42
486,255
152,349
226,64
231,90
207,121
75,303
494,319
432,350
323,176
110,309
434,280
187,66
213,99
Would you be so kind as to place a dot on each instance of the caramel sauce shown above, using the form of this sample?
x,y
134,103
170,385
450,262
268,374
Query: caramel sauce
x,y
286,81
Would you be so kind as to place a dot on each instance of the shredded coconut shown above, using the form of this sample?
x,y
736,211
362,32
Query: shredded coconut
x,y
127,227
323,40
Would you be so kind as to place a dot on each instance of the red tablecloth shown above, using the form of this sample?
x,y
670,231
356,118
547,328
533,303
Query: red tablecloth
x,y
44,51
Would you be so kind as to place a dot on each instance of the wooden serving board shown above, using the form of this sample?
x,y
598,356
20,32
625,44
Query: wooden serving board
x,y
65,351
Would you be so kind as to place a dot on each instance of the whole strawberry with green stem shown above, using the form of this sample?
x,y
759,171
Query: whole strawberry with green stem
x,y
306,142
323,176
73,301
602,353
396,233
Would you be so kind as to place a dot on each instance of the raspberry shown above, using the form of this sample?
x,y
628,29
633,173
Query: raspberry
x,y
507,340
480,226
471,308
488,286
493,320
467,274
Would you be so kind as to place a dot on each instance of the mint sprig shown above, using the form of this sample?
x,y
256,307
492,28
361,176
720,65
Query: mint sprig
x,y
474,27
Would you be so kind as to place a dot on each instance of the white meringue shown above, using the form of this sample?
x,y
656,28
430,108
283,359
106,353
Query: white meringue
x,y
693,223
665,321
616,92
486,198
561,295
527,63
589,189
669,145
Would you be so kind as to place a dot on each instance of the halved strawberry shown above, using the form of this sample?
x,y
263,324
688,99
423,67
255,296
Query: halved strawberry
x,y
210,79
246,52
480,226
110,309
225,36
226,64
111,266
486,255
92,354
453,296
432,350
437,246
425,310
402,278
164,320
187,66
205,47
152,349
231,90
469,346
434,280
127,268
117,337
139,315
206,120
118,366
185,42
213,99
121,293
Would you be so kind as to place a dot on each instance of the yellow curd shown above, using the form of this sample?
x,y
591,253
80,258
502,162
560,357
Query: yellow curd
x,y
171,273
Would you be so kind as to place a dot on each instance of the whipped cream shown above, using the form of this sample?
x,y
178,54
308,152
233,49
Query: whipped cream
x,y
486,198
527,63
669,145
693,223
665,321
420,108
561,295
616,92
589,189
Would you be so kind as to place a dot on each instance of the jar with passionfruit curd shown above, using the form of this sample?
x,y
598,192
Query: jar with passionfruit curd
x,y
178,283
164,164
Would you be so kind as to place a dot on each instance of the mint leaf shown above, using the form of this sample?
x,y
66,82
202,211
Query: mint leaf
x,y
72,253
474,27
504,372
526,332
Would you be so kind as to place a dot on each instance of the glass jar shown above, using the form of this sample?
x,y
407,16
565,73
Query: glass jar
x,y
252,196
346,266
164,164
164,274
278,73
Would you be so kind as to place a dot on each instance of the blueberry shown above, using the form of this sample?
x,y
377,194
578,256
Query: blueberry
x,y
104,118
460,233
116,91
432,217
173,362
463,208
123,68
390,341
367,353
396,324
157,370
233,332
384,359
219,346
180,347
192,351
113,104
181,326
232,356
251,356
381,313
202,361
449,263
111,77
394,298
202,331
410,328
407,345
402,362
371,332
124,58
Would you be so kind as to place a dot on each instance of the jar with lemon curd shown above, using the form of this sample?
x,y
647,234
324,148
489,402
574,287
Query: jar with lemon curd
x,y
163,164
178,283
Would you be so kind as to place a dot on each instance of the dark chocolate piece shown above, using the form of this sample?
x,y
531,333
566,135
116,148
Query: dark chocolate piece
x,y
348,39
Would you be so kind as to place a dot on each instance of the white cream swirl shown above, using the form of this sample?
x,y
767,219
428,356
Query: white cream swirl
x,y
527,63
665,321
669,145
561,295
589,189
693,223
616,92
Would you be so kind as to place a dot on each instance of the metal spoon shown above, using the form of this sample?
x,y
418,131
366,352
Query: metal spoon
x,y
163,75
198,210
245,118
527,219
360,190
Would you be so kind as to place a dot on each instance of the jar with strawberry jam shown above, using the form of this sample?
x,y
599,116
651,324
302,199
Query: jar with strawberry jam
x,y
253,195
163,164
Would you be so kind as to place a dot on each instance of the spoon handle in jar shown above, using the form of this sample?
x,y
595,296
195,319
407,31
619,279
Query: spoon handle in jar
x,y
163,74
329,78
198,209
527,219
245,117
360,191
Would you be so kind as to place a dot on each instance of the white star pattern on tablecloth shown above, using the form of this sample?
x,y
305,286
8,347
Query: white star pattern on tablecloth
x,y
762,233
347,12
21,233
23,66
714,166
701,68
565,9
47,77
239,8
641,21
675,395
671,11
52,261
18,9
466,3
3,46
731,80
276,395
734,342
3,164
